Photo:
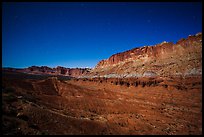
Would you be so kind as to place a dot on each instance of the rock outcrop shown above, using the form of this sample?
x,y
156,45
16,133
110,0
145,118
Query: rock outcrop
x,y
164,59
161,60
72,72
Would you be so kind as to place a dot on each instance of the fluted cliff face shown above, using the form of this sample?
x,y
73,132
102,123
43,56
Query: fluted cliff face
x,y
164,59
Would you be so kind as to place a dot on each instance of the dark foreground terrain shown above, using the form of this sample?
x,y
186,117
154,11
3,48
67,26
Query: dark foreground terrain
x,y
53,105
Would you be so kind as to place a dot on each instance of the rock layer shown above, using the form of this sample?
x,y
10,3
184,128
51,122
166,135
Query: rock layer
x,y
164,59
72,72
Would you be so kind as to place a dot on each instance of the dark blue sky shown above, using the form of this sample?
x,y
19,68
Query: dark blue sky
x,y
81,34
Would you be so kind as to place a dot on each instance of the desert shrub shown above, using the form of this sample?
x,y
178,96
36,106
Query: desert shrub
x,y
127,84
121,83
149,83
136,84
104,78
115,82
143,84
165,86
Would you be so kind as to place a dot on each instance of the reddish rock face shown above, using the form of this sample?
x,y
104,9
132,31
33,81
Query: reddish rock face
x,y
73,72
150,51
165,58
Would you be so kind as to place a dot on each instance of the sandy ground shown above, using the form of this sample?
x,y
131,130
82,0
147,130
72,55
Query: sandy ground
x,y
58,107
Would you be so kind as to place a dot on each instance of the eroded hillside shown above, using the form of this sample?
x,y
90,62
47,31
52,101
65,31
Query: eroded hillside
x,y
166,59
148,90
101,106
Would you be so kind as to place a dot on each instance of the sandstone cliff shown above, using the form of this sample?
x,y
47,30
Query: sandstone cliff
x,y
164,59
72,72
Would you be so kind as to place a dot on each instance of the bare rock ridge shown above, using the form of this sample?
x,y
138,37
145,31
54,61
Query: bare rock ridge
x,y
72,72
165,59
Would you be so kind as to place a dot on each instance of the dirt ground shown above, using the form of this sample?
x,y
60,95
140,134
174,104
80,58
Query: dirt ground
x,y
164,106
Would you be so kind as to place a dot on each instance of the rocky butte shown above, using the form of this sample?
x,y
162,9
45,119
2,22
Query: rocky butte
x,y
165,59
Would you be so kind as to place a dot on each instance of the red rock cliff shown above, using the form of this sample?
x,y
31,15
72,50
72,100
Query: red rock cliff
x,y
183,57
73,72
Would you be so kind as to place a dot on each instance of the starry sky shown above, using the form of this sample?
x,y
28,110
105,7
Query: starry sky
x,y
81,34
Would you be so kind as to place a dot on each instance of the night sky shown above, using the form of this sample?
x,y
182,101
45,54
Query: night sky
x,y
81,34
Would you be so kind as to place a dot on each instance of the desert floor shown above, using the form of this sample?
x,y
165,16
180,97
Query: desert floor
x,y
81,106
